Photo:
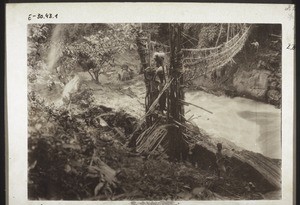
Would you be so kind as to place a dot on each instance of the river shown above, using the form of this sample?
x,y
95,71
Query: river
x,y
249,124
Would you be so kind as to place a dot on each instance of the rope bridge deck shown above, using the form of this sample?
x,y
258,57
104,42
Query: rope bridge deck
x,y
208,59
197,62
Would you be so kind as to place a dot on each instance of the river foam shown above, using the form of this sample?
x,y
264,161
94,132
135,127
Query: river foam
x,y
249,124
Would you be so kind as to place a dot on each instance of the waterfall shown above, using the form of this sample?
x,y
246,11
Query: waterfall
x,y
55,52
55,47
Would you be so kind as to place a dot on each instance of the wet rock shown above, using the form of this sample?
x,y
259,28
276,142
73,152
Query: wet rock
x,y
253,83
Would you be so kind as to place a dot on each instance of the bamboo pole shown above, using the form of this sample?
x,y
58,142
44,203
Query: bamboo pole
x,y
188,103
228,32
149,49
221,26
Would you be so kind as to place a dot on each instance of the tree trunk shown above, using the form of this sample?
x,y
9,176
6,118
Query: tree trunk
x,y
91,75
176,95
142,41
97,73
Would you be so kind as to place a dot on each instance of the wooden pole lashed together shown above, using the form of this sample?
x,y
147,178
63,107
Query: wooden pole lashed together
x,y
176,94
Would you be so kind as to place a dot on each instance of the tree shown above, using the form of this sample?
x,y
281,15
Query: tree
x,y
37,35
176,94
95,53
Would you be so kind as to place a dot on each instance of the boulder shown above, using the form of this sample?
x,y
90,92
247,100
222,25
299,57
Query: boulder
x,y
254,83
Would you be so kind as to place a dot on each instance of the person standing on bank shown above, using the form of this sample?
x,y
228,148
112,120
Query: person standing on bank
x,y
160,76
220,160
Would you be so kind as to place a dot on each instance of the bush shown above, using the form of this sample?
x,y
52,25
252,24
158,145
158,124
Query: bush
x,y
67,147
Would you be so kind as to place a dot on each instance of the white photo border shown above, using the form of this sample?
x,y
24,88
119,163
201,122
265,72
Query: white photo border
x,y
16,72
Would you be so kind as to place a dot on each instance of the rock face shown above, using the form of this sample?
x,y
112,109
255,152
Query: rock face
x,y
260,80
254,83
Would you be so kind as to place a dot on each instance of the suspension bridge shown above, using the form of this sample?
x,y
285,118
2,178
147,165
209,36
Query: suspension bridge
x,y
200,61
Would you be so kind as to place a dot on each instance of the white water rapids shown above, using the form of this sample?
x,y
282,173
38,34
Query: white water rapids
x,y
252,125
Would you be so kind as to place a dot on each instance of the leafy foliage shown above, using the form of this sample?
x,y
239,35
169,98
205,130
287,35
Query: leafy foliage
x,y
95,53
38,32
64,150
65,147
37,46
61,146
92,47
208,34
